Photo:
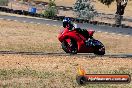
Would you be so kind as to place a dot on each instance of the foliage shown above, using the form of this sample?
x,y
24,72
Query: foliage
x,y
106,2
84,9
51,3
51,10
4,2
119,11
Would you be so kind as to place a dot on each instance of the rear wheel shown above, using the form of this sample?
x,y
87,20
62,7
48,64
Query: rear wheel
x,y
69,47
99,48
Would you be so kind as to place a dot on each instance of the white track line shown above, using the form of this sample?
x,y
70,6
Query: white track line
x,y
106,32
55,20
47,24
61,26
1,18
38,23
24,21
113,33
98,31
67,8
61,7
127,35
119,34
55,25
9,19
47,19
16,20
31,22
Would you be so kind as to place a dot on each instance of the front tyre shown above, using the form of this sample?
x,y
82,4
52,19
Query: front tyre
x,y
69,47
99,48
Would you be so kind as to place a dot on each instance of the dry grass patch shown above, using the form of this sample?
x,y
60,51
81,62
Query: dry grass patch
x,y
16,36
115,43
58,71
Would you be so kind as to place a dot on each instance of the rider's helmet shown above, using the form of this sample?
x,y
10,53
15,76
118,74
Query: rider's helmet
x,y
66,22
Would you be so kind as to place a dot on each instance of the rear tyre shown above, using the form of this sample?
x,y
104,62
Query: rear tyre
x,y
69,47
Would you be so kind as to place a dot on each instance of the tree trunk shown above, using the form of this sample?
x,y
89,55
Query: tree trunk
x,y
120,12
118,19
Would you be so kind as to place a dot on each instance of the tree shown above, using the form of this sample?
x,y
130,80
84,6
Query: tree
x,y
51,3
84,9
4,2
106,2
51,10
121,4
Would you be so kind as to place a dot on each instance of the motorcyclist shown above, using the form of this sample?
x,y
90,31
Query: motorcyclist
x,y
67,23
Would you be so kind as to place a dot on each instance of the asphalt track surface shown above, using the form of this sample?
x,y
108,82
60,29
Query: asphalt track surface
x,y
99,28
66,54
107,29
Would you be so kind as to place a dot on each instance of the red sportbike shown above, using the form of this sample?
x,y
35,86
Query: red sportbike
x,y
73,42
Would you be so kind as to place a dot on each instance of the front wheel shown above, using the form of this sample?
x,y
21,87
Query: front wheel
x,y
99,48
69,47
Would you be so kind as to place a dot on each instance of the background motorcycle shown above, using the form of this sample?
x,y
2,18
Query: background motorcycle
x,y
73,42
